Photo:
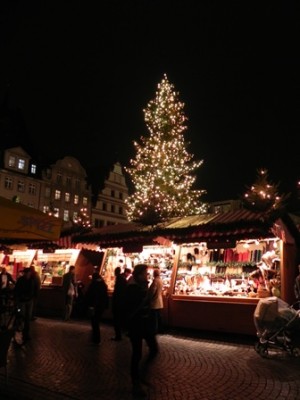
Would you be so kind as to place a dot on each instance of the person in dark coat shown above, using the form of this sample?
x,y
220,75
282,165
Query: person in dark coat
x,y
97,301
7,284
24,294
37,287
118,297
139,323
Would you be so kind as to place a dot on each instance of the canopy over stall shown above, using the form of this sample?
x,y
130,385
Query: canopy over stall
x,y
18,221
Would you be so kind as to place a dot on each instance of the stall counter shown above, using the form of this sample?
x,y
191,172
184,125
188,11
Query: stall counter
x,y
213,314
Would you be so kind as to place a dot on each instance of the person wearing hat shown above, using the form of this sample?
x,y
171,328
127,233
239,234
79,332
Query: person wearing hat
x,y
23,295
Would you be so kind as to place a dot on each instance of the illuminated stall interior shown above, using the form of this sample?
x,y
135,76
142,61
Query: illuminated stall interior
x,y
237,254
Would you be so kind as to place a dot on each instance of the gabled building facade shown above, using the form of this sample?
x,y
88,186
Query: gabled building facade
x,y
19,180
110,207
62,189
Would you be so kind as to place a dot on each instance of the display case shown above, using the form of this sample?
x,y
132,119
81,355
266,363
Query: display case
x,y
52,266
161,257
241,272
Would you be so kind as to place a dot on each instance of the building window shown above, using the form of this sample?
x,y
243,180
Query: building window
x,y
121,196
21,164
66,215
104,207
58,177
112,208
47,192
45,209
21,186
76,199
48,173
12,161
84,201
98,223
32,188
68,181
57,194
56,212
77,184
67,197
121,210
75,215
33,168
112,193
8,183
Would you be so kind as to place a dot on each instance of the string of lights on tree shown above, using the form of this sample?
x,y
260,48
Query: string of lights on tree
x,y
162,169
264,195
83,220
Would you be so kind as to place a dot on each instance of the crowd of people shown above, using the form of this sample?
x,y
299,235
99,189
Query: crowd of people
x,y
136,305
23,293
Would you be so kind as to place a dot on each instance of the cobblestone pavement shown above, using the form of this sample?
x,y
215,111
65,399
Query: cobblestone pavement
x,y
60,363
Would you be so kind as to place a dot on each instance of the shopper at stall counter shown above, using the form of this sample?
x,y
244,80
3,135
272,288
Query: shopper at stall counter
x,y
70,292
118,298
137,311
23,295
97,301
156,300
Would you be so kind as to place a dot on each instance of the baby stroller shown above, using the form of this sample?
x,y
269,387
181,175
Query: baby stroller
x,y
278,327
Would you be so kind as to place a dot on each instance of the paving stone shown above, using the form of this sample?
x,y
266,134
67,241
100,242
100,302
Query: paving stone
x,y
60,363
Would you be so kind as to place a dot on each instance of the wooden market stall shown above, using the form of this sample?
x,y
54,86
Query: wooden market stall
x,y
215,267
29,236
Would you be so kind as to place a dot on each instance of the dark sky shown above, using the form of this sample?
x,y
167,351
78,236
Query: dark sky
x,y
82,72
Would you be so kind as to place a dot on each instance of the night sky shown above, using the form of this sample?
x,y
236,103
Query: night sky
x,y
82,72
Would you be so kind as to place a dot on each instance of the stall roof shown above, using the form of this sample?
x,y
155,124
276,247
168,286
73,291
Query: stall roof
x,y
20,222
217,228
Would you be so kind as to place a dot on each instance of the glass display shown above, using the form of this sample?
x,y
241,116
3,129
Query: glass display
x,y
154,256
251,269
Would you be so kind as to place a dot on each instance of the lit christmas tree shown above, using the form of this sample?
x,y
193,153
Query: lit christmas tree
x,y
83,219
263,195
161,171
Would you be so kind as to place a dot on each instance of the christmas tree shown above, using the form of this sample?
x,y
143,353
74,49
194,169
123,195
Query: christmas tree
x,y
264,195
162,170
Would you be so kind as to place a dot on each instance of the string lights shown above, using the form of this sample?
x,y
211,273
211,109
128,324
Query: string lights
x,y
162,170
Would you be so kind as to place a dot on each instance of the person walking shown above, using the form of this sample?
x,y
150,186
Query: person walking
x,y
69,288
37,286
118,297
140,327
97,301
7,283
156,300
23,295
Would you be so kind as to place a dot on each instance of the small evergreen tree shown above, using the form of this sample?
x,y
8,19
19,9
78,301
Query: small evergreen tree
x,y
264,195
162,170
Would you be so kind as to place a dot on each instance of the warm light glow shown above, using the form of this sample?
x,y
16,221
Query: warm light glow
x,y
83,219
263,195
161,171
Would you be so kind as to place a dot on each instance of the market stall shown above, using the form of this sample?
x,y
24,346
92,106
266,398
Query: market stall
x,y
51,266
215,267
